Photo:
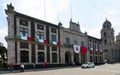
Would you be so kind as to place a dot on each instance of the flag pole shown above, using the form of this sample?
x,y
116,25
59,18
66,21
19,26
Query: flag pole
x,y
44,10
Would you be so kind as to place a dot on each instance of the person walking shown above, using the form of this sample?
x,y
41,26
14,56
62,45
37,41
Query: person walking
x,y
11,67
22,68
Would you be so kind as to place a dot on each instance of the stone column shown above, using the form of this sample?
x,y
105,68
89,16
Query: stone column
x,y
45,51
29,50
18,52
11,44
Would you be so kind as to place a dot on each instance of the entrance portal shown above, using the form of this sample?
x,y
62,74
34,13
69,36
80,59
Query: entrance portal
x,y
68,57
83,58
76,58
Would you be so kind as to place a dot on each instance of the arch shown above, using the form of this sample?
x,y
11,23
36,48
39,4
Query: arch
x,y
68,57
54,57
24,56
76,58
41,57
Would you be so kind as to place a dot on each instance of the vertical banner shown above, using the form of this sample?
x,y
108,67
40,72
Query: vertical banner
x,y
76,48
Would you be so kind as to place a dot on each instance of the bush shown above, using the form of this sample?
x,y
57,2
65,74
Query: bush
x,y
4,64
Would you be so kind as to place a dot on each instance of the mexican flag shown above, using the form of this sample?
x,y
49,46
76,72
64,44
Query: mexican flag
x,y
76,48
54,43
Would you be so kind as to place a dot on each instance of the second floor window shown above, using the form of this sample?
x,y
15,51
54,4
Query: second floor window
x,y
82,43
75,42
23,33
40,35
67,41
41,27
53,38
90,44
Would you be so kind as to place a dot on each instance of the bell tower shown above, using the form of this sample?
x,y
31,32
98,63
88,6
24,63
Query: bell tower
x,y
108,41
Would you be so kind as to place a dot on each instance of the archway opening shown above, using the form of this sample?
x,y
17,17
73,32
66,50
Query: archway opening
x,y
76,58
68,57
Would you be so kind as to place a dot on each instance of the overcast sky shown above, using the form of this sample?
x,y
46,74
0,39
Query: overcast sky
x,y
89,13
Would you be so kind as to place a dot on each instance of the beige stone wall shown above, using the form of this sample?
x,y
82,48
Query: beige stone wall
x,y
66,32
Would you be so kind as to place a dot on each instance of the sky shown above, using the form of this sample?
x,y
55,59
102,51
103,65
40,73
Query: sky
x,y
91,14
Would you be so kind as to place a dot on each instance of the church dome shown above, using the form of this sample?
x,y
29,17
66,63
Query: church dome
x,y
107,24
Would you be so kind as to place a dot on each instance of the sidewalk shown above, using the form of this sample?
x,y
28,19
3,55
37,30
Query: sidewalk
x,y
30,70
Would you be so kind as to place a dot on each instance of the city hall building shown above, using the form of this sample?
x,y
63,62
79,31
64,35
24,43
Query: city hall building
x,y
31,41
38,44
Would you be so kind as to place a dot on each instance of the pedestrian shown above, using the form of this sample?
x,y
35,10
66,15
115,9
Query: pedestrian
x,y
11,67
22,68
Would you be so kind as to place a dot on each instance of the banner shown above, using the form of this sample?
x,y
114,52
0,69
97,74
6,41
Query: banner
x,y
76,48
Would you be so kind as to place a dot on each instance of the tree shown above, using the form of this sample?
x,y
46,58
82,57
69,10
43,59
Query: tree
x,y
3,51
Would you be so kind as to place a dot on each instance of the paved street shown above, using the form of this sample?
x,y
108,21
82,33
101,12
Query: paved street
x,y
107,69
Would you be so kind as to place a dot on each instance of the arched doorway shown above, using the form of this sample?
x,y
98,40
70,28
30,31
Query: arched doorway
x,y
76,58
83,58
68,57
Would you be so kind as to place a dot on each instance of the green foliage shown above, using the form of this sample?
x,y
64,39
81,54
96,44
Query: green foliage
x,y
3,50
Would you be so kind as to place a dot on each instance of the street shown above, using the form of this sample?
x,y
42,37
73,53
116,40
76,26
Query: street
x,y
106,69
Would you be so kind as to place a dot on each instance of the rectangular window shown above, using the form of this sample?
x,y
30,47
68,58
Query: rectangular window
x,y
23,22
40,47
90,45
23,33
91,52
67,41
41,27
82,43
40,35
54,48
53,30
24,45
53,37
75,42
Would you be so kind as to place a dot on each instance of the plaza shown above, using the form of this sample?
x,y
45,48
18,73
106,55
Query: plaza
x,y
106,69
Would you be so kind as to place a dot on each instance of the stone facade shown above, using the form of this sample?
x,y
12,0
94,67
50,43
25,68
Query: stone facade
x,y
108,42
95,51
35,42
69,37
118,47
31,41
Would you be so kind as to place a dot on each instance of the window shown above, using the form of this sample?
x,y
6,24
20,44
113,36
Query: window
x,y
24,45
53,30
82,43
106,50
53,37
90,58
23,22
90,45
54,48
24,56
104,34
23,33
91,52
67,41
100,53
54,57
40,35
105,41
75,42
41,57
96,53
40,47
41,27
95,45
